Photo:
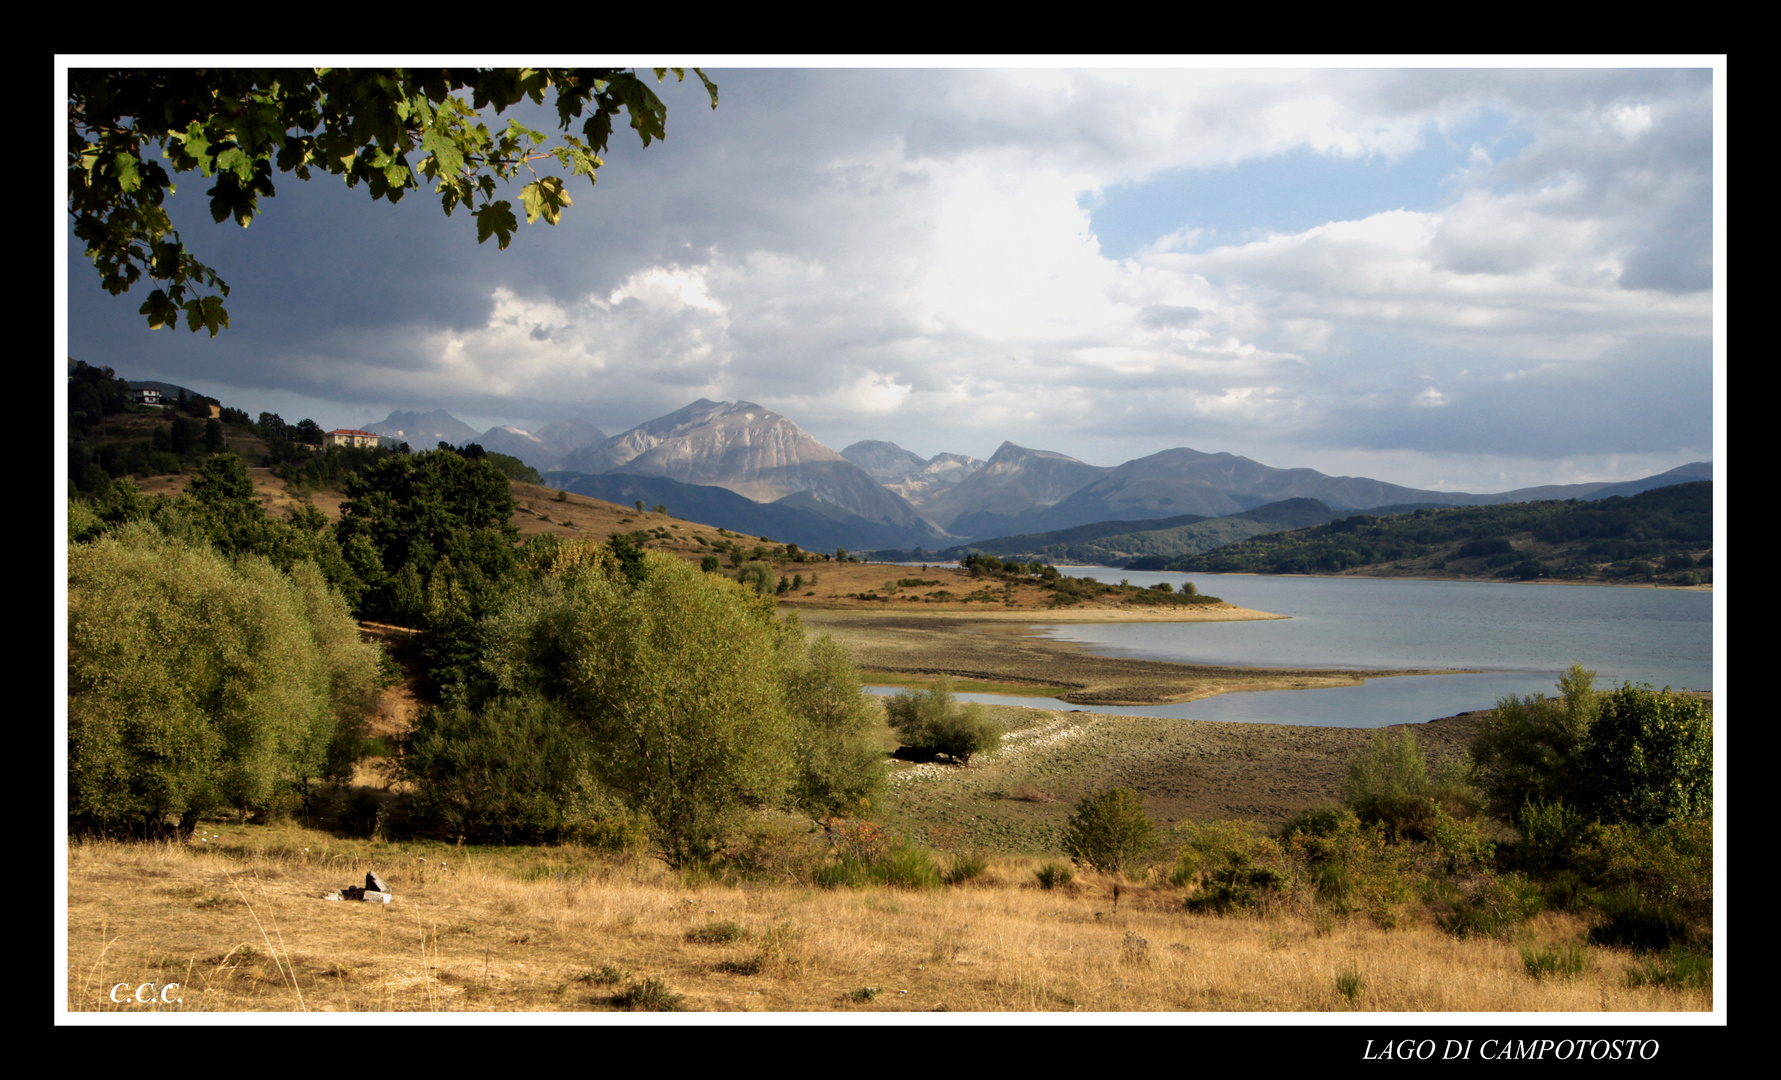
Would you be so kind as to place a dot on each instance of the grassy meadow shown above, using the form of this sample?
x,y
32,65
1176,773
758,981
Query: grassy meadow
x,y
236,919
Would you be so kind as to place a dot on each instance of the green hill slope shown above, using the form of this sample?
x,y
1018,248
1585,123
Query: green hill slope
x,y
1665,536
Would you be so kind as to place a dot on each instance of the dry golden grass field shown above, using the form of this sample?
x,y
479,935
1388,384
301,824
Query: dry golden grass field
x,y
236,918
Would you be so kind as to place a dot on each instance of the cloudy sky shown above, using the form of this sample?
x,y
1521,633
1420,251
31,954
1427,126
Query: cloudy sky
x,y
1453,278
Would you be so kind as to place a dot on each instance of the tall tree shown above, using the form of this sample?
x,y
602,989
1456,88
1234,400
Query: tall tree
x,y
676,683
386,129
196,683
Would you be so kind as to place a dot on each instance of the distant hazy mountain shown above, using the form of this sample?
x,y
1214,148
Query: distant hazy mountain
x,y
543,450
917,479
524,445
1184,481
423,431
753,452
1681,474
791,520
1013,482
567,436
885,462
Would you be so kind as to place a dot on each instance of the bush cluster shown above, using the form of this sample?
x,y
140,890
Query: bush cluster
x,y
932,721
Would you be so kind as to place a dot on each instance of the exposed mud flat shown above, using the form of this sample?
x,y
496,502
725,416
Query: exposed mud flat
x,y
1013,653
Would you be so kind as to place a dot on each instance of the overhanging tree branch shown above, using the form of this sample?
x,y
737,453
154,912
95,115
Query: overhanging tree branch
x,y
385,129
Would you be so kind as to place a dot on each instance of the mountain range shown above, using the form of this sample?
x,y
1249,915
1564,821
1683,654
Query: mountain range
x,y
700,459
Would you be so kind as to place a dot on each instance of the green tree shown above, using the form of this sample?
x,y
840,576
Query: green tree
x,y
841,766
415,509
1391,783
1649,758
932,720
1527,753
506,772
675,680
389,130
94,392
195,683
1109,830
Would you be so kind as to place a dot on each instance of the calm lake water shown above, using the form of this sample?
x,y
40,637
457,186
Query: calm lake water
x,y
1520,637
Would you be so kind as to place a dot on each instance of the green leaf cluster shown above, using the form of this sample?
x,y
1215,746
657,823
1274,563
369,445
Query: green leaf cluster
x,y
690,700
1633,755
1109,830
386,129
197,683
933,721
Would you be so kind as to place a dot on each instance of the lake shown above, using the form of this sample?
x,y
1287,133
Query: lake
x,y
1518,636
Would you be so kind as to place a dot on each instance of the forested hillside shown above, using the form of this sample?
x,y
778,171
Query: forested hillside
x,y
1663,536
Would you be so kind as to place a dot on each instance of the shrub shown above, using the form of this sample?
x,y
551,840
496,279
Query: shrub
x,y
931,720
965,866
1549,833
902,865
196,683
679,666
1649,758
503,773
717,933
1054,875
1109,830
650,995
1391,783
1549,961
1529,749
1481,905
841,765
1233,867
1319,821
1672,864
1677,967
1354,867
1633,921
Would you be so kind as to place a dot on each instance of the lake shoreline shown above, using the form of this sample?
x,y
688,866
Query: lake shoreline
x,y
999,652
1394,577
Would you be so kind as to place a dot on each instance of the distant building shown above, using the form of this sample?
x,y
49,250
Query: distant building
x,y
348,437
145,395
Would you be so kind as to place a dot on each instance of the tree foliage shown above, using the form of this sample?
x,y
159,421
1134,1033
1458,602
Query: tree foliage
x,y
1633,756
932,720
389,130
1528,752
1391,783
195,683
506,772
674,679
841,767
408,518
1109,830
1649,758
